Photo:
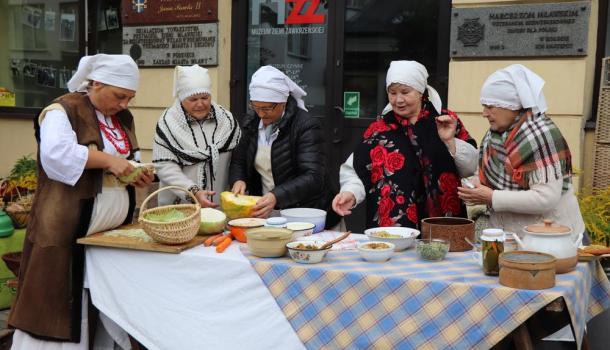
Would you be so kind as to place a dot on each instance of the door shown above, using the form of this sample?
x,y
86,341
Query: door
x,y
338,50
367,35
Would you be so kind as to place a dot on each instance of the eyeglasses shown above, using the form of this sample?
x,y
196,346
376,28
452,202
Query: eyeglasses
x,y
263,109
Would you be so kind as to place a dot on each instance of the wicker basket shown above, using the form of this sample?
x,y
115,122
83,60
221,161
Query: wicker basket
x,y
175,232
20,217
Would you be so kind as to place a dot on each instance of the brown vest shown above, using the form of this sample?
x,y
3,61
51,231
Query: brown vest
x,y
48,301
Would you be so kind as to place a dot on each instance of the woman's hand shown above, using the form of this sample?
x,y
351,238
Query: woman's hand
x,y
446,127
239,187
264,206
118,166
203,197
343,203
144,179
478,195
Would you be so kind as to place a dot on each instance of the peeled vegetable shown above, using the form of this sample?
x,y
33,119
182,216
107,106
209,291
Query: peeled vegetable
x,y
237,206
138,168
212,221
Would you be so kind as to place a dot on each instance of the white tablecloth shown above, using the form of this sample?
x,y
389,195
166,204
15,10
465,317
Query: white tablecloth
x,y
194,300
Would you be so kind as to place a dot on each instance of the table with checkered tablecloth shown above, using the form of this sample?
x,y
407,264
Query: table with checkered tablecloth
x,y
407,303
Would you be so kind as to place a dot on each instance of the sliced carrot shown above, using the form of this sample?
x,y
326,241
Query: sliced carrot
x,y
223,245
218,240
208,241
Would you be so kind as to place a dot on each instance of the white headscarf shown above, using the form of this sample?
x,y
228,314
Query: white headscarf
x,y
269,84
115,70
514,87
415,75
189,81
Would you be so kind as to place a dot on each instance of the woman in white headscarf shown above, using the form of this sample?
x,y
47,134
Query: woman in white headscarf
x,y
409,163
194,139
280,155
85,141
525,166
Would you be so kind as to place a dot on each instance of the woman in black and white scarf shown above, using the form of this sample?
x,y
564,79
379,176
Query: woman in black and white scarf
x,y
193,140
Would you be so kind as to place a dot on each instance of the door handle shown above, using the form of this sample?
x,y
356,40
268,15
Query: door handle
x,y
338,125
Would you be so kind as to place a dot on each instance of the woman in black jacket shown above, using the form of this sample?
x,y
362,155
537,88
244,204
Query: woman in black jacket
x,y
280,155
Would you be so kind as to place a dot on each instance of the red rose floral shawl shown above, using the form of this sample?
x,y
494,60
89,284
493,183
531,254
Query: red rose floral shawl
x,y
407,170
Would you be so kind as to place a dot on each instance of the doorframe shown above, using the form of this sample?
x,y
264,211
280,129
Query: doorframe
x,y
239,40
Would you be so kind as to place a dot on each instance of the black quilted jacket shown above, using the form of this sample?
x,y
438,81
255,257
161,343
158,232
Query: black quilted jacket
x,y
297,161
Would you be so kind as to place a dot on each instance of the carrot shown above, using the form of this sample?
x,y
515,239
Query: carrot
x,y
218,240
222,246
208,241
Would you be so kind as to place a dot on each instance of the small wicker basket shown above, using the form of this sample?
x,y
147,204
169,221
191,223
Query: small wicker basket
x,y
20,217
175,232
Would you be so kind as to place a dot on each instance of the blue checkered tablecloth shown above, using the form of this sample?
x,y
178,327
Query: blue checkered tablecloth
x,y
345,302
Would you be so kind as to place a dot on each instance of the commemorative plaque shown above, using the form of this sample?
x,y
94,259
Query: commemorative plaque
x,y
549,29
170,45
138,12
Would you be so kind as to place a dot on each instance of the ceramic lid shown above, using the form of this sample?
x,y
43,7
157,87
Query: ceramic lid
x,y
269,233
247,222
277,220
548,226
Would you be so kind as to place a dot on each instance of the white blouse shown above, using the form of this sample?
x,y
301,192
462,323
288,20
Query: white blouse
x,y
62,158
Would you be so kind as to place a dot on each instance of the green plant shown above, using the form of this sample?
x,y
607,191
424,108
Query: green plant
x,y
595,209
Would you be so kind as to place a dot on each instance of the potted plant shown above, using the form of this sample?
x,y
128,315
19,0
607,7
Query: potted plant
x,y
595,209
17,190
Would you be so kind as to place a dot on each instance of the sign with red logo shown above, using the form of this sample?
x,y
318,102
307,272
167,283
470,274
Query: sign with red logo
x,y
290,12
138,12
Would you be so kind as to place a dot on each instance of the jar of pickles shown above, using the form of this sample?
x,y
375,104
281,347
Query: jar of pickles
x,y
492,245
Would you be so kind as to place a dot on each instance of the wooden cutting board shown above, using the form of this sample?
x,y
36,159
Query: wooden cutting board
x,y
99,239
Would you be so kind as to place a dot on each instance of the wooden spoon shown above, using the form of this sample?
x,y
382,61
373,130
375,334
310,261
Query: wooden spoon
x,y
338,239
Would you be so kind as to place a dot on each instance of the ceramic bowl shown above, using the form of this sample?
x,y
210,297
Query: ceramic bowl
x,y
370,251
302,252
406,239
311,215
268,242
300,229
432,249
238,227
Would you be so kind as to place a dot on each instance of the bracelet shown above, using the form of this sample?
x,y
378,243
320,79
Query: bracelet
x,y
193,189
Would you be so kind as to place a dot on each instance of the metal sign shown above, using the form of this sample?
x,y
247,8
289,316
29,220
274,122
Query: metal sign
x,y
351,104
549,29
138,12
159,46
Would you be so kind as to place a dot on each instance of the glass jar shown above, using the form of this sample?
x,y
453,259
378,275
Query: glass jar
x,y
492,245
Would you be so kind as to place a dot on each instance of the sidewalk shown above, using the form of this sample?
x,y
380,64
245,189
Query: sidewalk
x,y
5,341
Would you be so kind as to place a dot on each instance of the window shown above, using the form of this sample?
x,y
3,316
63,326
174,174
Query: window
x,y
42,47
43,42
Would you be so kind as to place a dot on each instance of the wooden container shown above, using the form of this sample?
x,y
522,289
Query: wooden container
x,y
454,230
523,269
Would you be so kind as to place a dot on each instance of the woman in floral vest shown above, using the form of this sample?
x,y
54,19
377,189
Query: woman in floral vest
x,y
409,163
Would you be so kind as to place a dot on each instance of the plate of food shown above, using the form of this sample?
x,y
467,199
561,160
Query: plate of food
x,y
592,252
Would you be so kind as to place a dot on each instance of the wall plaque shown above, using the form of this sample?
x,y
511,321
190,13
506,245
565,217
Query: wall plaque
x,y
550,29
171,45
136,12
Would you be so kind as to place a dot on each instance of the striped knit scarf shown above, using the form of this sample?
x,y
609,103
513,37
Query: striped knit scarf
x,y
176,140
532,151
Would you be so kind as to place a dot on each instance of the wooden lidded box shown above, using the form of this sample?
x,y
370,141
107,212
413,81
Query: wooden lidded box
x,y
527,270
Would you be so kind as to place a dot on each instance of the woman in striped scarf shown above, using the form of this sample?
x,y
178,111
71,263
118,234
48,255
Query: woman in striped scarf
x,y
525,169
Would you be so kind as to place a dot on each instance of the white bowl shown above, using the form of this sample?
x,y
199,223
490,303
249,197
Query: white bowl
x,y
300,229
312,215
375,255
406,240
306,256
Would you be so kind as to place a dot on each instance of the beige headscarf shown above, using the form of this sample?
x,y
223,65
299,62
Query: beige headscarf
x,y
189,81
115,70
